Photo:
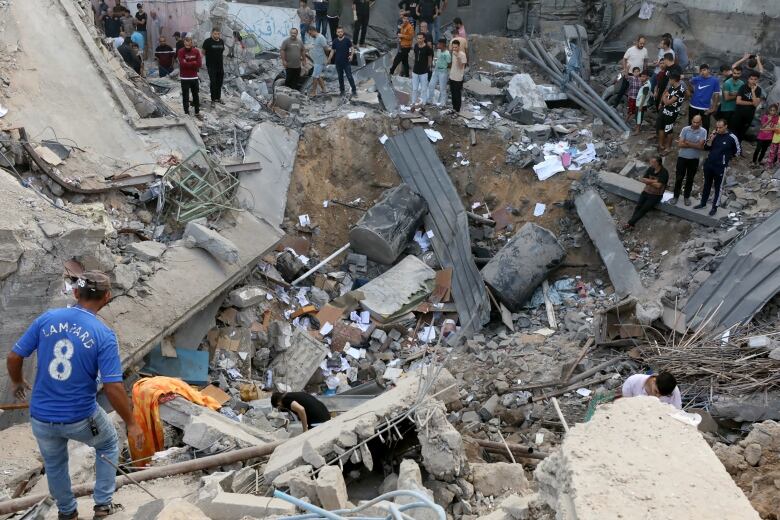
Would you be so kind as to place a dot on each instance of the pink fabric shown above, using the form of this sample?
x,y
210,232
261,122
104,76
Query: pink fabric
x,y
766,135
635,385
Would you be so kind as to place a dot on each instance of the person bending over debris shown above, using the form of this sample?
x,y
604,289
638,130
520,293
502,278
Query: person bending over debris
x,y
341,49
663,386
75,348
656,178
214,50
131,58
308,408
189,62
723,145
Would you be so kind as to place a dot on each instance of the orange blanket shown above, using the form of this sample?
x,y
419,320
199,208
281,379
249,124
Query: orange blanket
x,y
146,411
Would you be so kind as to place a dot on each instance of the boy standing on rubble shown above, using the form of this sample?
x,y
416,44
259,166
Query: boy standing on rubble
x,y
663,386
190,62
75,350
642,100
441,72
457,70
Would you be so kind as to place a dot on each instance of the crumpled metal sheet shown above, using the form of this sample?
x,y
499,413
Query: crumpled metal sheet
x,y
419,166
746,280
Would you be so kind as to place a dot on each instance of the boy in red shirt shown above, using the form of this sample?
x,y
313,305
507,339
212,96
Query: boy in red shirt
x,y
190,61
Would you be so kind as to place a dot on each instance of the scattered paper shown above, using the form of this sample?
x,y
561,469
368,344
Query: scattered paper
x,y
539,209
495,114
392,373
549,167
476,205
585,156
433,135
427,335
429,233
664,252
304,220
464,162
356,115
3,111
584,392
539,438
355,353
422,241
545,331
667,196
325,203
325,330
383,139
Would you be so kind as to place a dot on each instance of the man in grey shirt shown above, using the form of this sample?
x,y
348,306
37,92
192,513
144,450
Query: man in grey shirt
x,y
691,143
319,50
293,56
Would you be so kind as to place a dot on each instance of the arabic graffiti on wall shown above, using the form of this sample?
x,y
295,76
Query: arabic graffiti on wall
x,y
272,24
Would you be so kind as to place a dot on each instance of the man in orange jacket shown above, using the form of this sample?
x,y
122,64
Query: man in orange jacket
x,y
405,37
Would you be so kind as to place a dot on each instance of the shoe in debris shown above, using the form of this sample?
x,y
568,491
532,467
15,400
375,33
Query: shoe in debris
x,y
68,516
687,201
106,510
713,211
673,201
700,206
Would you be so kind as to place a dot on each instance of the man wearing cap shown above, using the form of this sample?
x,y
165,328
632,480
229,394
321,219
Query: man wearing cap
x,y
75,351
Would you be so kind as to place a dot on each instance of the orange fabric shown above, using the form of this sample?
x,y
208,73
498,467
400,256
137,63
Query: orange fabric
x,y
407,34
146,410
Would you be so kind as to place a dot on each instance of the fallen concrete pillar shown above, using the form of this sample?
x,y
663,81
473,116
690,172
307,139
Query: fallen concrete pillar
x,y
443,453
601,229
522,264
596,473
197,235
631,189
384,230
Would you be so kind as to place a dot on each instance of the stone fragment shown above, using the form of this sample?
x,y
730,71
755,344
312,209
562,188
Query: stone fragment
x,y
198,235
247,296
312,456
443,454
331,488
752,454
498,478
147,251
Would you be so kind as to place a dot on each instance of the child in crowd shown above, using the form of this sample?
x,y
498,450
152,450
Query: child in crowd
x,y
774,148
765,134
643,99
634,84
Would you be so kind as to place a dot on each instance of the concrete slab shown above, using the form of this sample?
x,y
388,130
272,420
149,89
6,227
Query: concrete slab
x,y
630,189
274,147
601,229
398,289
295,366
667,470
177,293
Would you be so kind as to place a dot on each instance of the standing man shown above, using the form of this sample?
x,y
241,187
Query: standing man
x,y
441,72
723,145
680,51
671,102
427,11
635,56
405,38
179,41
361,11
731,87
310,411
423,57
334,15
154,30
341,49
190,61
306,16
691,143
164,54
75,349
293,55
140,23
752,63
748,99
704,90
441,6
725,75
112,24
319,50
321,16
410,8
459,61
655,179
214,50
128,22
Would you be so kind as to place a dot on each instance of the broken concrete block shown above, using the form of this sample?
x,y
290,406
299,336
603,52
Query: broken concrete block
x,y
471,416
443,453
148,250
318,297
235,506
125,276
247,296
347,439
312,456
331,488
383,231
289,265
498,478
294,366
178,509
523,87
488,408
279,335
481,89
752,454
197,235
523,264
10,252
399,289
409,477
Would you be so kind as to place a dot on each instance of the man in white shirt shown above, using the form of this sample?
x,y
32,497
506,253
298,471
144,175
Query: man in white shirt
x,y
635,56
663,386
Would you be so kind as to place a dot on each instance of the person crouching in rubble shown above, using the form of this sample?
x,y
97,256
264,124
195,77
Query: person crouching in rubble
x,y
310,411
663,386
73,347
655,179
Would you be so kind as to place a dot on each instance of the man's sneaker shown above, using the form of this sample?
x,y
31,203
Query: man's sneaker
x,y
69,516
687,201
106,510
713,211
673,201
354,93
699,206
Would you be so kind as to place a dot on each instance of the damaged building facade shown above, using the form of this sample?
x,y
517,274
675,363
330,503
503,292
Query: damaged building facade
x,y
457,290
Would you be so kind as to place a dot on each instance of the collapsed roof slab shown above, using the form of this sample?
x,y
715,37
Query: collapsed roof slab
x,y
637,458
189,281
631,189
601,229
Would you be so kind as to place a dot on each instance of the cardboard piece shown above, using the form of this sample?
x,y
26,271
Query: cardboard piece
x,y
216,393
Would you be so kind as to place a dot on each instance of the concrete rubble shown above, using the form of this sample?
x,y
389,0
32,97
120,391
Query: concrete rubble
x,y
435,302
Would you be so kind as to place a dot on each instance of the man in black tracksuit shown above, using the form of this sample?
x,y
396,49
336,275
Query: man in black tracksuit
x,y
214,49
723,145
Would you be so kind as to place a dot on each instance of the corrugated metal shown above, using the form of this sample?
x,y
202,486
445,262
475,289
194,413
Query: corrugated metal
x,y
419,166
746,280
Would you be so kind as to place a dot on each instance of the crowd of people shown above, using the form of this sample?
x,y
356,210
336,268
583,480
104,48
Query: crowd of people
x,y
664,86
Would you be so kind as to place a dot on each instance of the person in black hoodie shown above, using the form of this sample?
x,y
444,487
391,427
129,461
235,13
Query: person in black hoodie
x,y
723,145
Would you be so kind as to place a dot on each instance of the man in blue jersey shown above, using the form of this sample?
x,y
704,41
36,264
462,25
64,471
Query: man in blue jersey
x,y
704,91
75,349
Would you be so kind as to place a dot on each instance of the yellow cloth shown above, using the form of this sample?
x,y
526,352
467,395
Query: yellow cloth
x,y
776,135
146,411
